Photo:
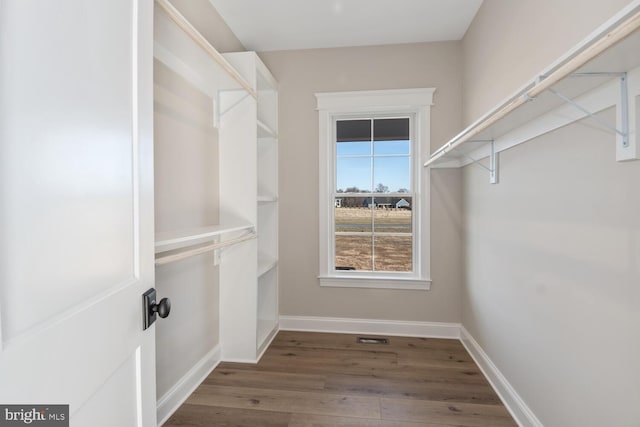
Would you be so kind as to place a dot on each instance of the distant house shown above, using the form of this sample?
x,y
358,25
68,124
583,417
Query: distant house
x,y
403,204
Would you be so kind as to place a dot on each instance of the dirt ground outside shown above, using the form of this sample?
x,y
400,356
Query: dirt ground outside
x,y
379,253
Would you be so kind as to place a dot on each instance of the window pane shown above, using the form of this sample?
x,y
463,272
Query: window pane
x,y
393,253
353,215
354,253
376,162
353,175
391,129
391,147
392,215
391,174
353,130
353,148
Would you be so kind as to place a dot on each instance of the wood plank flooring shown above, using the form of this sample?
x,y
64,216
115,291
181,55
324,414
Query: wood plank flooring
x,y
330,380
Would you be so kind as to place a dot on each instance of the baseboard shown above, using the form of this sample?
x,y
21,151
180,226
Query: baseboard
x,y
511,399
370,326
172,399
267,342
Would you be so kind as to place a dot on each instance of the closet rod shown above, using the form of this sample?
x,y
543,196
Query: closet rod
x,y
605,41
166,259
195,35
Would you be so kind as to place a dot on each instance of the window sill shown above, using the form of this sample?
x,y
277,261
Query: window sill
x,y
375,282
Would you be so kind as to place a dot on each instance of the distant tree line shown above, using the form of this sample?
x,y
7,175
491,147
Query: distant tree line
x,y
349,201
380,188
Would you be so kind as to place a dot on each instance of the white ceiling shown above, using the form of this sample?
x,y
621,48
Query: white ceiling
x,y
264,25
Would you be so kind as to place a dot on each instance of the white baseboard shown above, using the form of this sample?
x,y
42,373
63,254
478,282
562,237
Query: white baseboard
x,y
172,399
511,399
267,342
370,326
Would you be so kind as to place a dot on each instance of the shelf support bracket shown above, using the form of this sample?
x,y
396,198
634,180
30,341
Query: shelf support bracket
x,y
221,113
624,106
624,109
493,162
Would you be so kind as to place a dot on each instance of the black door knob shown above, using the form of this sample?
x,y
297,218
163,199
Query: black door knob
x,y
151,310
163,308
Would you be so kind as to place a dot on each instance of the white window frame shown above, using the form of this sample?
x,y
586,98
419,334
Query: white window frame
x,y
336,105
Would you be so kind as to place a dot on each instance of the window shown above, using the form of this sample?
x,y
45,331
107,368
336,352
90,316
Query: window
x,y
374,216
373,224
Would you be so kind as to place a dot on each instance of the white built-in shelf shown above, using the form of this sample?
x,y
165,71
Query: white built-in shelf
x,y
266,263
265,81
252,193
613,49
265,131
171,240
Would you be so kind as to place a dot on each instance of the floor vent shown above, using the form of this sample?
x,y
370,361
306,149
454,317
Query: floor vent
x,y
366,340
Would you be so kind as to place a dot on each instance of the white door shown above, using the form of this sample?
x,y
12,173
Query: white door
x,y
76,208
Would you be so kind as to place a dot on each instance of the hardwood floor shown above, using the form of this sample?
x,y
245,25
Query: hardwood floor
x,y
330,380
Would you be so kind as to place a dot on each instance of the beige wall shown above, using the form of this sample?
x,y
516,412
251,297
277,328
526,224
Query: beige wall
x,y
552,252
509,42
300,75
553,275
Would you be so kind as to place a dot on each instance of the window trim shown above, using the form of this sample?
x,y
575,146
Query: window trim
x,y
411,102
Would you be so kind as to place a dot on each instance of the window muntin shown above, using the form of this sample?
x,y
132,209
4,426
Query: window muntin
x,y
373,229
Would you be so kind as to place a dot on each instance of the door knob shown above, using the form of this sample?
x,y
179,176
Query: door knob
x,y
151,310
163,308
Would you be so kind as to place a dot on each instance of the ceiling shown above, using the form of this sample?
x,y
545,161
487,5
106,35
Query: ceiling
x,y
264,25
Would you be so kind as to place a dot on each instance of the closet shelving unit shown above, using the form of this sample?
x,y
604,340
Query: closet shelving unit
x,y
267,201
609,56
265,145
244,96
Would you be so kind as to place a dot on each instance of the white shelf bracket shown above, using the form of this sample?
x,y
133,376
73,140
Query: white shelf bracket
x,y
493,165
217,253
493,162
624,105
628,147
235,103
624,109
